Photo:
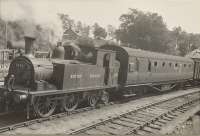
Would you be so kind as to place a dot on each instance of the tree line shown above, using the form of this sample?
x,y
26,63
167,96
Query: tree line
x,y
148,31
137,29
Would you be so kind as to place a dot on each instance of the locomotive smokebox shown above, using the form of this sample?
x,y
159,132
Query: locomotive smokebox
x,y
29,46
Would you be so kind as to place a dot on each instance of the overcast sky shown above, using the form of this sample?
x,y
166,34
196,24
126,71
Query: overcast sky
x,y
184,13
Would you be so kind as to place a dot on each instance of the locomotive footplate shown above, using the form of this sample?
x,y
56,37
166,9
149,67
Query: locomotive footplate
x,y
31,97
22,94
54,92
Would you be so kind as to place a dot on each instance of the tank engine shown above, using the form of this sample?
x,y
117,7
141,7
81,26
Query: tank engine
x,y
41,85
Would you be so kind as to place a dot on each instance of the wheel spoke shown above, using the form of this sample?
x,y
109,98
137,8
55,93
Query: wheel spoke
x,y
44,106
70,102
105,97
92,100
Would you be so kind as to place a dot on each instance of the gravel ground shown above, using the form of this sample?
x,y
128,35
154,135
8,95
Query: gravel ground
x,y
65,124
190,127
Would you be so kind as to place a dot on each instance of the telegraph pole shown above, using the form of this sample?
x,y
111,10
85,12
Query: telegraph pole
x,y
4,22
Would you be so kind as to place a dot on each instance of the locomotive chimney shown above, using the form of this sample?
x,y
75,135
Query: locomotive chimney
x,y
29,46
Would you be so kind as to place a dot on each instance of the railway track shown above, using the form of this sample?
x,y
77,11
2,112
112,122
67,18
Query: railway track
x,y
8,121
142,112
11,118
145,120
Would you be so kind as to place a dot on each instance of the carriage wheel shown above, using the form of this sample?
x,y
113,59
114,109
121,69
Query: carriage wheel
x,y
70,102
44,106
93,99
105,97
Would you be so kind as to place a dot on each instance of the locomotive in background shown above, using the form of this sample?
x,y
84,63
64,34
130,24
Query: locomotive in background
x,y
6,55
62,82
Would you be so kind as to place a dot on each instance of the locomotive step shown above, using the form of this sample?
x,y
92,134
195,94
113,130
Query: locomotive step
x,y
129,95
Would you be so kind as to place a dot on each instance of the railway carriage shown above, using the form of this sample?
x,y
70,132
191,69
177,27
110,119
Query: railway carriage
x,y
150,69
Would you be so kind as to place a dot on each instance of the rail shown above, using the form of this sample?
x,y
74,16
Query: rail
x,y
135,122
183,98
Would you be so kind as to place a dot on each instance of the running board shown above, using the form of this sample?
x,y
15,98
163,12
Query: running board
x,y
129,95
162,90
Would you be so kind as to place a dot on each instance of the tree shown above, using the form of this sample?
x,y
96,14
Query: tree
x,y
85,42
111,32
143,30
79,27
86,30
67,22
99,32
184,42
82,29
16,30
2,34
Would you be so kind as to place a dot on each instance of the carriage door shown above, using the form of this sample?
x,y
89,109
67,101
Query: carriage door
x,y
143,72
132,76
149,71
106,65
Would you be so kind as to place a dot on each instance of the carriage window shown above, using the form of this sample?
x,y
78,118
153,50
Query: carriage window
x,y
176,65
155,63
149,66
131,67
184,65
163,64
170,64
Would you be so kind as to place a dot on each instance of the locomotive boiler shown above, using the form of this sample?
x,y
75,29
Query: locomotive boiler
x,y
26,71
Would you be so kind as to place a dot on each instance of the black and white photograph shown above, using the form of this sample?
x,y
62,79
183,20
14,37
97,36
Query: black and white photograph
x,y
100,67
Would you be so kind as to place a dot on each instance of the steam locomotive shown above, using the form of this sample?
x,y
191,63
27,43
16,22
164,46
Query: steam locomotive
x,y
43,85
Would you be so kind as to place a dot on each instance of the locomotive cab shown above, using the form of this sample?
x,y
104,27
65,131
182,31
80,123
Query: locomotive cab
x,y
71,74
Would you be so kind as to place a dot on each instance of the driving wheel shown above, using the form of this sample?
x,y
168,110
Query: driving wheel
x,y
70,102
44,106
93,99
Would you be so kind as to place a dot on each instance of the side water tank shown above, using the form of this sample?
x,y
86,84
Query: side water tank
x,y
58,52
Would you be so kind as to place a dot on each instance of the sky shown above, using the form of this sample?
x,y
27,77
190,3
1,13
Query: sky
x,y
184,13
